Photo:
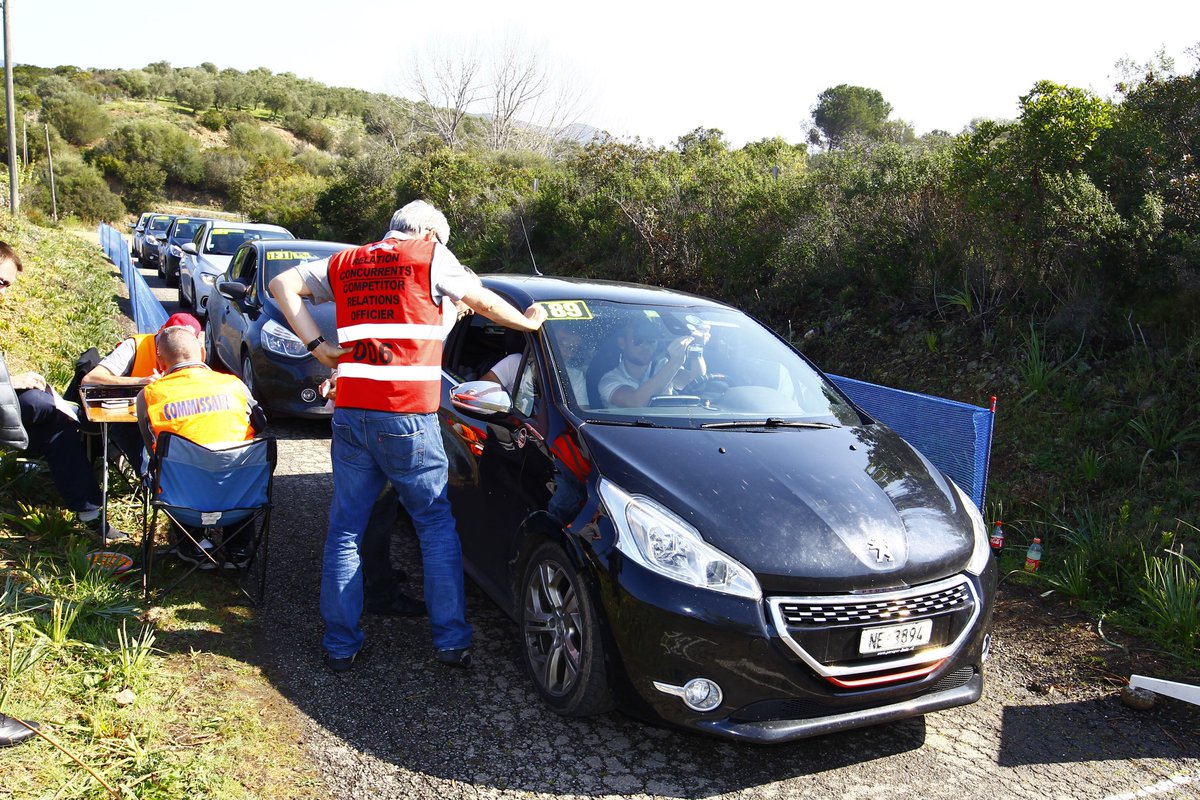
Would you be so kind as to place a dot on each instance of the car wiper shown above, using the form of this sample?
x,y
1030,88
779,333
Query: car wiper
x,y
769,422
640,422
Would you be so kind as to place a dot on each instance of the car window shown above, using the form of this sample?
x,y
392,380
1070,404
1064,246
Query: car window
x,y
225,241
238,264
159,224
721,366
526,393
185,228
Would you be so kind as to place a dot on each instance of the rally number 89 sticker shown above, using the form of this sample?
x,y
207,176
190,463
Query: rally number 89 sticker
x,y
565,309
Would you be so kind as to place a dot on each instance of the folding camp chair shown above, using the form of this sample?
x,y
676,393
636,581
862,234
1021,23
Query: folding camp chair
x,y
202,491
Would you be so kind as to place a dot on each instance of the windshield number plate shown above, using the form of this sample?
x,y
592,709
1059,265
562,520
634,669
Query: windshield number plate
x,y
895,638
566,309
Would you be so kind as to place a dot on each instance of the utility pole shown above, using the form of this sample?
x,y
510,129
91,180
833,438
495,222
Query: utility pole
x,y
14,194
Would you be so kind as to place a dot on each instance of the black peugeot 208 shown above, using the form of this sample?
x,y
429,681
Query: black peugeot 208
x,y
731,546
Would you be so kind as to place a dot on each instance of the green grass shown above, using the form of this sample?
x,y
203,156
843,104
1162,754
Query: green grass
x,y
128,701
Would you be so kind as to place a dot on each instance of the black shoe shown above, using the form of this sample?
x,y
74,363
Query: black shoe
x,y
400,606
189,553
13,732
237,559
460,658
340,665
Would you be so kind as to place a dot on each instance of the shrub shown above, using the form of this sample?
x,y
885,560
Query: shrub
x,y
150,143
76,116
80,190
310,130
213,120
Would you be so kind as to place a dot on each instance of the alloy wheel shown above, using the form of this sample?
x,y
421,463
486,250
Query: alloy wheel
x,y
554,631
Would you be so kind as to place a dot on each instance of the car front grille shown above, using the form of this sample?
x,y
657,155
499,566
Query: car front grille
x,y
865,611
825,631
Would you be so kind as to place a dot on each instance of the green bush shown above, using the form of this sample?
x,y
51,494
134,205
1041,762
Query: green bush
x,y
213,120
76,116
310,130
140,145
80,190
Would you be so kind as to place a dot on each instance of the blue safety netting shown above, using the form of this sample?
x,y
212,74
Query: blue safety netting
x,y
955,437
146,310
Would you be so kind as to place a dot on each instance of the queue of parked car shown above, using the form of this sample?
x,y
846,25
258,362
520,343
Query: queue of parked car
x,y
752,556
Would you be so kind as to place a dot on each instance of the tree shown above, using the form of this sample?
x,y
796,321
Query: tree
x,y
844,111
446,85
76,116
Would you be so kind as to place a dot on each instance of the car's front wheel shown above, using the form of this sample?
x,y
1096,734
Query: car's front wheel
x,y
564,651
211,356
184,300
248,375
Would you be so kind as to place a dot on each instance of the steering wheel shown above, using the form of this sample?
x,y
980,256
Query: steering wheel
x,y
714,382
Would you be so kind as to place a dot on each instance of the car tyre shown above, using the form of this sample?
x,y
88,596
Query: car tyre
x,y
210,349
172,277
563,645
248,374
184,301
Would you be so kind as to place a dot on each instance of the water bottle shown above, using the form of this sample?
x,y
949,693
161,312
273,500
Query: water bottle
x,y
1033,557
997,538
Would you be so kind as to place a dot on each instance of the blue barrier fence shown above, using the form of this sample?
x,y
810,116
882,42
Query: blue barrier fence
x,y
146,309
955,437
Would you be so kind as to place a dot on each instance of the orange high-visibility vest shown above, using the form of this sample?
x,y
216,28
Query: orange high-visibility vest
x,y
387,317
205,406
145,360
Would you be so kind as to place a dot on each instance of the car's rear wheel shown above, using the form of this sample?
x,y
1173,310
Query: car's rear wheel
x,y
564,651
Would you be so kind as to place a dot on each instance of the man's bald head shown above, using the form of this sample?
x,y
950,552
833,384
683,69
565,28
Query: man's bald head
x,y
177,345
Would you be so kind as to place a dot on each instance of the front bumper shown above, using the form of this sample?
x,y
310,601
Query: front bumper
x,y
289,386
671,633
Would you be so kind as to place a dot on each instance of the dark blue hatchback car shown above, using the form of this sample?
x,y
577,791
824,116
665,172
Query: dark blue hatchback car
x,y
689,521
248,335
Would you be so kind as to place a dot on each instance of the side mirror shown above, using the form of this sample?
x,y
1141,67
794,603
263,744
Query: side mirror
x,y
139,229
188,247
233,290
482,400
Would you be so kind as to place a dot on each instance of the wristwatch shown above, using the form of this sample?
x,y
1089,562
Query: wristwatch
x,y
314,344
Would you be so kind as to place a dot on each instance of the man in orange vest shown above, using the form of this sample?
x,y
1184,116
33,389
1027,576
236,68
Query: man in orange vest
x,y
392,299
134,362
209,408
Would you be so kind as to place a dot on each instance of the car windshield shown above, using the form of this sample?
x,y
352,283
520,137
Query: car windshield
x,y
226,241
721,367
186,228
281,260
158,224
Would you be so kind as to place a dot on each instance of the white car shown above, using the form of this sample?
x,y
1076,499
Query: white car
x,y
207,256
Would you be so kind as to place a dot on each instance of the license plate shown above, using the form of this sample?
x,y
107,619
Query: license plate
x,y
893,638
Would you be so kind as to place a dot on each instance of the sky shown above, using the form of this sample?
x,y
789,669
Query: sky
x,y
653,69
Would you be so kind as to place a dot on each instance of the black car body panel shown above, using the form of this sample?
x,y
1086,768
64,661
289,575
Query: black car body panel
x,y
181,231
155,231
284,383
832,539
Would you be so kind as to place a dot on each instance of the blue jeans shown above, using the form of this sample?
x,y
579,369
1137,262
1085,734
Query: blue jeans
x,y
370,448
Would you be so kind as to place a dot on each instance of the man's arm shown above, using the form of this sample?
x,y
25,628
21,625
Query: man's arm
x,y
288,288
656,384
143,418
103,376
483,300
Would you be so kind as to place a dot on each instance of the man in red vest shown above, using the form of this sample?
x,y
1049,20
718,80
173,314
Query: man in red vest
x,y
393,299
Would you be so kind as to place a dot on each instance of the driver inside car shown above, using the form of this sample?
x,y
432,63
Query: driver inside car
x,y
642,374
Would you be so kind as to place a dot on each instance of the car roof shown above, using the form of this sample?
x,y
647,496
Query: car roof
x,y
296,244
527,289
191,219
247,226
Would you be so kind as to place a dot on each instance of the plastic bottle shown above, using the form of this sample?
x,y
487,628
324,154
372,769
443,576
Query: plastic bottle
x,y
1033,557
997,538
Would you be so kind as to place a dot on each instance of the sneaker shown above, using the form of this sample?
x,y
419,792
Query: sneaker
x,y
189,553
111,536
341,665
460,657
237,558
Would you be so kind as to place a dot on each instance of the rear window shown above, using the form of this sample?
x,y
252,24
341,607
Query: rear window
x,y
226,241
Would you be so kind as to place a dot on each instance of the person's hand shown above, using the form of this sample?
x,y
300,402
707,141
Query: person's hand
x,y
28,380
328,353
462,309
677,349
536,316
328,387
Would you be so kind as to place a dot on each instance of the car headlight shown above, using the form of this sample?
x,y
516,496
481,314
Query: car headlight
x,y
662,542
175,251
981,549
280,340
151,239
208,278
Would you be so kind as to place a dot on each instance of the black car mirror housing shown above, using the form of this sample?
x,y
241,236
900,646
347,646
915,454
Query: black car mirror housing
x,y
233,290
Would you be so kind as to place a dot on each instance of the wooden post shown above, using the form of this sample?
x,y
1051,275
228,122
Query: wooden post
x,y
14,190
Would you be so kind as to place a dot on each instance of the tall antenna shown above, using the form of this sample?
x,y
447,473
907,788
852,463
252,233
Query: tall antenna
x,y
528,245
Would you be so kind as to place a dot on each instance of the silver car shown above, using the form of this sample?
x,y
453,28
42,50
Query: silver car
x,y
207,256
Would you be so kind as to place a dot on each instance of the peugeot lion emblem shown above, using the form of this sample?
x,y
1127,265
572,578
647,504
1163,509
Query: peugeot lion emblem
x,y
880,548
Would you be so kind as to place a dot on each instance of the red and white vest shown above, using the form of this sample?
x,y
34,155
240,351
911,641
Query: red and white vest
x,y
386,316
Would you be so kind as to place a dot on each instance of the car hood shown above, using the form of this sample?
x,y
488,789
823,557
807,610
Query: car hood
x,y
324,314
214,264
807,510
